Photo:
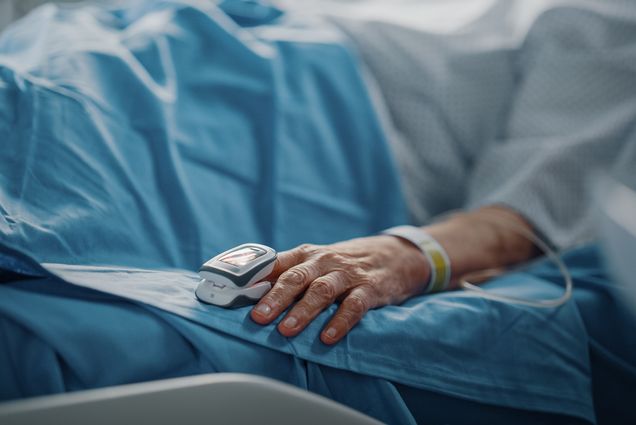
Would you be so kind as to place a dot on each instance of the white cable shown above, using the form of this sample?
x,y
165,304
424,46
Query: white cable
x,y
546,303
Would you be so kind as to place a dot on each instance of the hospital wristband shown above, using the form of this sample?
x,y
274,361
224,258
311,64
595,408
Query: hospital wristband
x,y
436,255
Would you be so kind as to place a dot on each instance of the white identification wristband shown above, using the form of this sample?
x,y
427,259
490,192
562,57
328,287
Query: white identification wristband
x,y
434,252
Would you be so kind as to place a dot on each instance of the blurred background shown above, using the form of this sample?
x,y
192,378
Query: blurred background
x,y
10,10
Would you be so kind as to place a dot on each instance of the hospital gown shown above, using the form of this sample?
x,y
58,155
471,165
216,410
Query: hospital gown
x,y
520,103
140,140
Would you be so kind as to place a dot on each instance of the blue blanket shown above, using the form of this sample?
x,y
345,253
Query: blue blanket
x,y
140,141
162,133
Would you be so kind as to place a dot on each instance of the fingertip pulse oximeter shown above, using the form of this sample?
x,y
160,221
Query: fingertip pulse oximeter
x,y
233,278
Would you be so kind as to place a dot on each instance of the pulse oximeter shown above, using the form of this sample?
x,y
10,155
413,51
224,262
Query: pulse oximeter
x,y
233,278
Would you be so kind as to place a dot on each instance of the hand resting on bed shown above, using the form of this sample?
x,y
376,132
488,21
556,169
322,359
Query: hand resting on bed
x,y
371,272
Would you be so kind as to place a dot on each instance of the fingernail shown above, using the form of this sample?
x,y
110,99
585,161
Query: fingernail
x,y
263,309
331,332
290,322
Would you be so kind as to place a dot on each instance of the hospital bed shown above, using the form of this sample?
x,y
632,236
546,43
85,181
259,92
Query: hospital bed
x,y
221,398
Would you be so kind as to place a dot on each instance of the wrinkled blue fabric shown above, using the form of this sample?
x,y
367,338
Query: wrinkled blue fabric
x,y
140,141
59,337
159,134
82,339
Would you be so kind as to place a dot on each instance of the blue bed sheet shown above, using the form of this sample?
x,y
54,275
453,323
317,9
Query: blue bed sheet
x,y
58,337
139,141
161,133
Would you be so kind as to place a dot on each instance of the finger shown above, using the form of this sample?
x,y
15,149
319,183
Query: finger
x,y
288,259
321,293
351,310
289,285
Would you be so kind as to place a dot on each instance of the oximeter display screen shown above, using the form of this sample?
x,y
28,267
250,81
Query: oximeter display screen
x,y
243,256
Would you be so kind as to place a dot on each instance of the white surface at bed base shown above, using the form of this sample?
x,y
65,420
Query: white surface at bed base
x,y
220,398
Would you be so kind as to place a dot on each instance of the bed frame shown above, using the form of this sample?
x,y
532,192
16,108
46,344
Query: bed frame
x,y
220,398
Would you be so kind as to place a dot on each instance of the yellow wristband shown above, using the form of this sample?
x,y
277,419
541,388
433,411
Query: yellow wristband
x,y
436,255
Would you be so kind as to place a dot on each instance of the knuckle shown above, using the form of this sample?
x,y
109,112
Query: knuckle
x,y
357,305
371,283
323,290
306,248
296,276
311,303
329,257
358,274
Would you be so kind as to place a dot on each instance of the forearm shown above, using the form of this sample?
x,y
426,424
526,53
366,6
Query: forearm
x,y
488,238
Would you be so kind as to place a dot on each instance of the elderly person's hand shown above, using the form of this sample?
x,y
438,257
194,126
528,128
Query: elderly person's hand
x,y
365,273
371,272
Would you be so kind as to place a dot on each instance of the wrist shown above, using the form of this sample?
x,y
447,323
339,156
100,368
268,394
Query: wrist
x,y
415,263
488,238
431,254
508,228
